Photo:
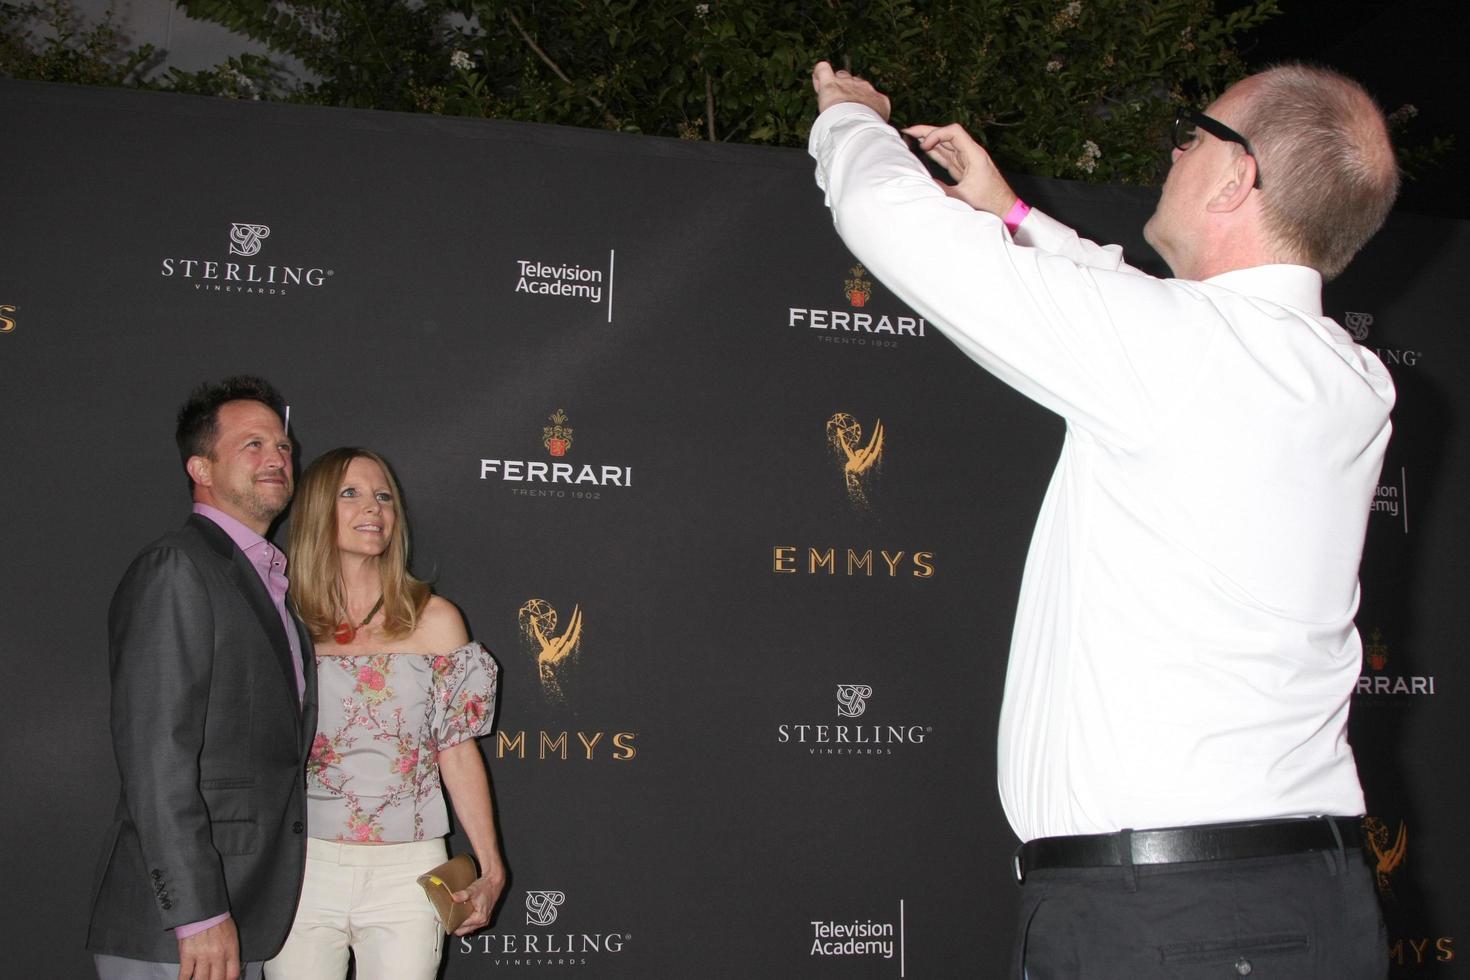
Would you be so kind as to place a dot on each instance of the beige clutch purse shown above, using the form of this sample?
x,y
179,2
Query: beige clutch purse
x,y
442,882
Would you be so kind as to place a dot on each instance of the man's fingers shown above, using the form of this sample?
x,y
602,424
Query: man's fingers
x,y
821,75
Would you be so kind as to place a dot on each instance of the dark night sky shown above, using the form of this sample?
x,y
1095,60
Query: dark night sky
x,y
1404,51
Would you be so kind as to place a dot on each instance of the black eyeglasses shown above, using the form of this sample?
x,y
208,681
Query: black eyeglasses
x,y
1188,121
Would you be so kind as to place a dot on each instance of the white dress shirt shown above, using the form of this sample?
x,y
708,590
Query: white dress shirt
x,y
1184,649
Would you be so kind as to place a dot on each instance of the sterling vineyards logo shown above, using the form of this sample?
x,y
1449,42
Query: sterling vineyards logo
x,y
245,239
1360,324
222,274
852,699
880,738
564,947
541,907
556,475
857,325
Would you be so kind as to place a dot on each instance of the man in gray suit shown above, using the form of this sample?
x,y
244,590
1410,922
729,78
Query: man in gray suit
x,y
213,712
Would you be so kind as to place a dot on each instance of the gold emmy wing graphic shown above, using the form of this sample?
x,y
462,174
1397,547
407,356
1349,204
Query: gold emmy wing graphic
x,y
1387,857
538,621
845,436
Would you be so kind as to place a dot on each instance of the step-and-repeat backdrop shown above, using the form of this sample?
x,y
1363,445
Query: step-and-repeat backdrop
x,y
744,532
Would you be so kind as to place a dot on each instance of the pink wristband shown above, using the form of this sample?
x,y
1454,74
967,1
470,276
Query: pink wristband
x,y
1016,215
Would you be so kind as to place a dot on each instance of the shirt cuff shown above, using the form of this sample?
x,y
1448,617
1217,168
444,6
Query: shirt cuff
x,y
194,928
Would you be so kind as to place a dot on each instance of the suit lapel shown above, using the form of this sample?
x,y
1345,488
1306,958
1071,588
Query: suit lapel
x,y
308,696
247,580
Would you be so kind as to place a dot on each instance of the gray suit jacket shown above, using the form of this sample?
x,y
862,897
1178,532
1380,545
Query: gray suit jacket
x,y
211,743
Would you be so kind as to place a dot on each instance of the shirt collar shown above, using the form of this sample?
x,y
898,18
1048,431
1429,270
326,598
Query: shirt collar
x,y
1295,286
245,538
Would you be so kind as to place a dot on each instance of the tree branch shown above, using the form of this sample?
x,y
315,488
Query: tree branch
x,y
531,43
709,105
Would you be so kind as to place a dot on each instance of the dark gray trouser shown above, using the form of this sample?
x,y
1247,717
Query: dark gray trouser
x,y
122,968
1311,916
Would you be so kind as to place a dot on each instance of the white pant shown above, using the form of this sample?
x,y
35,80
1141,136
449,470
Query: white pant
x,y
363,896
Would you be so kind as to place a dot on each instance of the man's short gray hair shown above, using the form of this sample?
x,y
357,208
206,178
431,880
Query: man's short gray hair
x,y
1328,172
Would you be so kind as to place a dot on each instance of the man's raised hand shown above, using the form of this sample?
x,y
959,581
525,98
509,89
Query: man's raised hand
x,y
977,182
837,86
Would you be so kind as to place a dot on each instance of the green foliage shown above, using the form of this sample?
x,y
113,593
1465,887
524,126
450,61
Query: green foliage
x,y
1082,89
48,42
367,54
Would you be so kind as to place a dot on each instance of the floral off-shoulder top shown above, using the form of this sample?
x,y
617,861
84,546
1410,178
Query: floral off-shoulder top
x,y
373,772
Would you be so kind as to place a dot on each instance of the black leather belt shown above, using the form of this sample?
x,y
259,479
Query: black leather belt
x,y
1174,845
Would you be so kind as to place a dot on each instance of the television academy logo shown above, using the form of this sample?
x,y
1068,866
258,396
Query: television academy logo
x,y
860,463
865,937
222,275
843,739
567,280
574,947
555,478
855,325
1392,500
1384,688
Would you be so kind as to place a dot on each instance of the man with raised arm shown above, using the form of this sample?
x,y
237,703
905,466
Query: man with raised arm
x,y
1172,747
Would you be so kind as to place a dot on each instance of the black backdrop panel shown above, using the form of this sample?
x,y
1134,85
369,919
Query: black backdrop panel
x,y
777,730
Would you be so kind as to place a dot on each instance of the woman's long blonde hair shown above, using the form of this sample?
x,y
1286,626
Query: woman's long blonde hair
x,y
316,569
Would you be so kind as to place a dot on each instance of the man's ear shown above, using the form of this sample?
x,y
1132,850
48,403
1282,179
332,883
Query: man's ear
x,y
198,469
1236,184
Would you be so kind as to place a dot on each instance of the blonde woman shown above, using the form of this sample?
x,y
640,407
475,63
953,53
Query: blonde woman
x,y
404,694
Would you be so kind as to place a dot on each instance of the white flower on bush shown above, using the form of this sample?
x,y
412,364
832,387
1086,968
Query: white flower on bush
x,y
461,60
1091,153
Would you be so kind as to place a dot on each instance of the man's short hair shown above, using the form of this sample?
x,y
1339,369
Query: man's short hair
x,y
198,427
1328,171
